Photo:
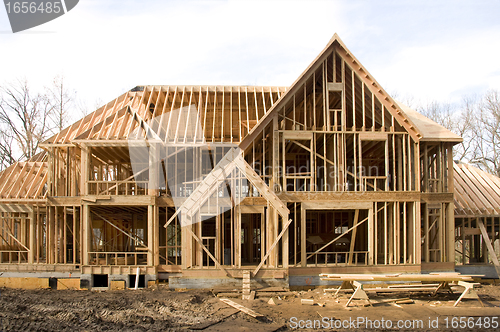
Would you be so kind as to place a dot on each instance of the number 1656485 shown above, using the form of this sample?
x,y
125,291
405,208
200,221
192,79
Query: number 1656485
x,y
25,7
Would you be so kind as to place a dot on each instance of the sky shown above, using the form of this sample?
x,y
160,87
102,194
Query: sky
x,y
423,50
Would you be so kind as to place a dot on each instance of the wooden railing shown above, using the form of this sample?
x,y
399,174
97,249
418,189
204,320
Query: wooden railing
x,y
118,187
374,183
170,255
117,258
13,256
434,255
335,258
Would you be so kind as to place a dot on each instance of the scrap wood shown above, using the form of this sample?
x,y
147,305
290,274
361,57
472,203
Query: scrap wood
x,y
232,295
307,301
242,308
413,285
409,301
401,289
266,294
272,289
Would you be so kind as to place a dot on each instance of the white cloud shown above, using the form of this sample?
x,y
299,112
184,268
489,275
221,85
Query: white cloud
x,y
106,47
446,70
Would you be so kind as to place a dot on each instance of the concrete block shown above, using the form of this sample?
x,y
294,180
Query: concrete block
x,y
117,284
488,271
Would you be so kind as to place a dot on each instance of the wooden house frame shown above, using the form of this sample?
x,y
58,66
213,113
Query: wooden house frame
x,y
205,182
477,221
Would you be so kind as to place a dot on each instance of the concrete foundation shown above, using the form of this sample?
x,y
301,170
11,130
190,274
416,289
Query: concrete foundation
x,y
207,283
488,271
114,280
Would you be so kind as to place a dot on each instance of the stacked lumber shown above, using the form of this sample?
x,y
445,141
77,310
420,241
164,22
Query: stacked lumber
x,y
442,276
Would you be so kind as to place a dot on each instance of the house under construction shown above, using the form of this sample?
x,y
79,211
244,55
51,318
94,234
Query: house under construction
x,y
197,184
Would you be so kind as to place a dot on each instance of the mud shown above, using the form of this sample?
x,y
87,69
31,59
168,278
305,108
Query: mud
x,y
167,310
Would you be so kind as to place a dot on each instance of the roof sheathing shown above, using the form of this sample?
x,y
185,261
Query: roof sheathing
x,y
431,131
477,193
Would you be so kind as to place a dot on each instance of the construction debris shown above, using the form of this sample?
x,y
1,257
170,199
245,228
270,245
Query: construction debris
x,y
307,301
241,308
246,286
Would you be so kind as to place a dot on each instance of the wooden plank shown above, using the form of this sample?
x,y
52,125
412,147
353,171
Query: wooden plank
x,y
335,86
449,277
373,136
344,205
241,308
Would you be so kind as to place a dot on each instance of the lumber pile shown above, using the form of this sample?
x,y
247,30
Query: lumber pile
x,y
436,277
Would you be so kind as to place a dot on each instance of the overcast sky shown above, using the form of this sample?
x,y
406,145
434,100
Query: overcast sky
x,y
431,50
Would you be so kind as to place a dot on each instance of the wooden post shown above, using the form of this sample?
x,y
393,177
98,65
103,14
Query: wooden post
x,y
186,250
450,231
156,241
237,249
426,233
303,255
285,243
371,240
353,235
270,234
418,234
85,159
50,235
154,160
87,228
151,235
31,254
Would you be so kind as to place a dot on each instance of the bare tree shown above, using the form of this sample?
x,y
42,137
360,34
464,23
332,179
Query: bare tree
x,y
24,120
487,153
62,100
461,120
7,157
83,108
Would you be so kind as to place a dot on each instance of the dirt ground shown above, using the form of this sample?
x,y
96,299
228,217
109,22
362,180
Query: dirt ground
x,y
162,309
